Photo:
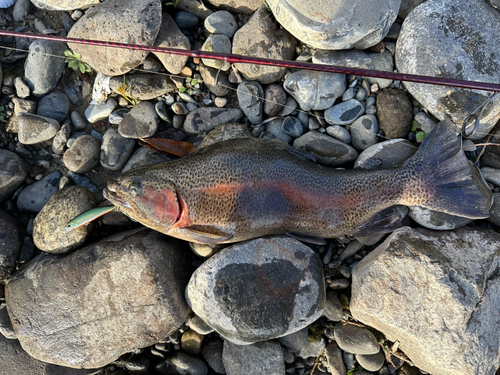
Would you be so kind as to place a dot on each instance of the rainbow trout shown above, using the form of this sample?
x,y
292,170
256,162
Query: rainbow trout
x,y
240,189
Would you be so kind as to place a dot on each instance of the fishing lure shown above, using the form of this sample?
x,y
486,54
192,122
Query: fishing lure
x,y
88,216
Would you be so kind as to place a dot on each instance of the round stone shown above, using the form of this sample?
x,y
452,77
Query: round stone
x,y
344,113
54,106
292,126
115,150
356,340
364,132
395,113
34,129
36,195
13,173
221,22
141,122
83,155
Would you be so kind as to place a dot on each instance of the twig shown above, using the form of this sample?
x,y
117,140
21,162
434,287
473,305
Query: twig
x,y
484,147
316,362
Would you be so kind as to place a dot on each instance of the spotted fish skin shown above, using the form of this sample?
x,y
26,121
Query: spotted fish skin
x,y
246,188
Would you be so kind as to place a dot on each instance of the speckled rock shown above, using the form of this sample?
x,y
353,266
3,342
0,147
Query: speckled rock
x,y
170,36
453,290
16,361
275,98
257,359
261,38
134,279
394,113
36,195
364,132
64,4
217,43
344,113
286,292
106,21
11,241
49,227
144,86
13,173
327,150
34,129
250,100
205,119
115,150
83,155
141,122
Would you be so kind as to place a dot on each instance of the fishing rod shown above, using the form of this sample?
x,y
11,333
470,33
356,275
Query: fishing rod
x,y
232,58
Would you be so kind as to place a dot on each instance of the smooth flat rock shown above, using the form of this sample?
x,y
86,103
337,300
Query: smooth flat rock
x,y
257,359
64,4
54,105
344,113
66,310
205,119
208,74
221,22
217,43
12,173
11,241
99,111
250,99
170,36
260,37
124,21
83,155
141,122
144,156
144,86
364,132
453,32
36,195
34,129
422,286
336,24
115,150
258,290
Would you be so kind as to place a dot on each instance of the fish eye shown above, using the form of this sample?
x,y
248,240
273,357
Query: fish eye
x,y
134,189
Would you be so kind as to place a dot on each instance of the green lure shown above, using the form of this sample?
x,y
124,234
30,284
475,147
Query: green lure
x,y
88,216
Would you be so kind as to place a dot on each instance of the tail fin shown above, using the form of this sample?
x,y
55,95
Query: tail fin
x,y
446,175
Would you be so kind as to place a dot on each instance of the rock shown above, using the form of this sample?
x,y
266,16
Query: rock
x,y
59,141
273,129
333,308
334,358
274,99
426,124
495,210
198,325
170,36
134,279
115,150
36,195
202,120
191,342
122,21
21,9
312,349
6,328
11,241
217,43
212,353
373,362
83,155
290,106
260,37
315,90
49,228
456,276
221,22
22,89
356,340
272,304
386,154
34,129
195,7
77,120
340,133
224,132
407,6
16,361
179,108
446,30
364,132
327,150
250,95
144,156
295,341
43,67
145,86
394,112
208,74
64,4
334,25
292,126
182,363
97,112
344,113
13,173
237,6
491,175
163,112
257,359
141,122
54,106
186,20
359,59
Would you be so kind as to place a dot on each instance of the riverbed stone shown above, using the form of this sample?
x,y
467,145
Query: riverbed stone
x,y
83,155
454,34
257,359
209,75
275,99
315,90
141,122
144,156
124,21
394,113
260,37
250,100
43,67
96,112
16,361
64,4
133,279
49,227
237,6
217,43
22,89
202,120
286,292
335,25
14,172
170,36
143,86
115,150
221,22
212,353
36,195
34,129
364,132
356,340
344,113
54,105
453,290
11,241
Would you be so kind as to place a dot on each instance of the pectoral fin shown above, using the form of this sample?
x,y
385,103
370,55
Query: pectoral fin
x,y
206,234
385,221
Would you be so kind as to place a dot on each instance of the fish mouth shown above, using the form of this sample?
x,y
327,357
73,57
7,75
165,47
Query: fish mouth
x,y
116,199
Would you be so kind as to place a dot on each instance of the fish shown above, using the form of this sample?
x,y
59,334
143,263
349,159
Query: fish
x,y
241,189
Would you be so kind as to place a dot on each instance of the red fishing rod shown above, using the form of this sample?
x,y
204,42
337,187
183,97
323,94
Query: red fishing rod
x,y
231,58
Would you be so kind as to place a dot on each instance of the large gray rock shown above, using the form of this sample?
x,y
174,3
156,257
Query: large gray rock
x,y
421,287
35,129
87,309
260,37
259,290
12,173
453,33
16,361
257,359
337,24
64,4
43,67
125,21
170,36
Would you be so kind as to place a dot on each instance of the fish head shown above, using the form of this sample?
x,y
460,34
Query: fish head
x,y
153,204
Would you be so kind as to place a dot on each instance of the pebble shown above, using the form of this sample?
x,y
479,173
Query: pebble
x,y
274,130
179,108
191,342
312,349
21,9
115,150
337,284
202,120
182,363
426,123
257,359
59,141
356,340
348,94
373,362
11,241
217,43
54,105
292,126
250,100
275,98
22,89
143,86
333,308
49,227
141,122
117,116
340,133
212,353
221,102
83,155
289,107
97,112
361,94
34,129
36,195
198,325
221,22
14,172
491,175
78,121
371,110
394,113
335,360
364,132
295,341
344,113
171,36
163,112
185,20
6,328
208,74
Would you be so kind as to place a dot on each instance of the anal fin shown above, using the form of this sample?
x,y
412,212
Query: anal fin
x,y
308,239
385,221
206,234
